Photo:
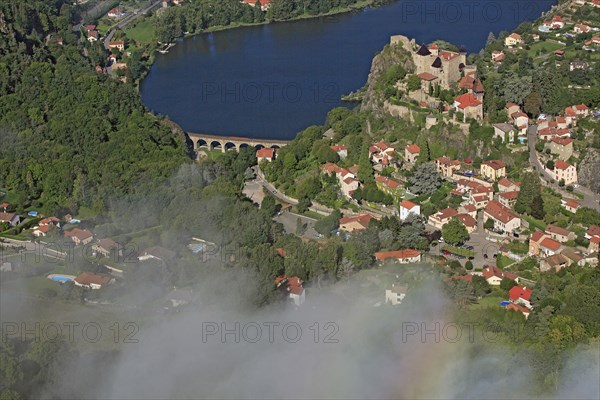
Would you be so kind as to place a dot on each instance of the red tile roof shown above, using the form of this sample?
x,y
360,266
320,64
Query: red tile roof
x,y
550,244
560,164
413,149
426,76
495,164
87,278
407,204
562,141
557,230
408,253
384,180
499,212
467,100
363,219
519,292
467,220
81,234
265,152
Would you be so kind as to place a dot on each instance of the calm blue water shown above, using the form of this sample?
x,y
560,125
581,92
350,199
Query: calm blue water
x,y
272,81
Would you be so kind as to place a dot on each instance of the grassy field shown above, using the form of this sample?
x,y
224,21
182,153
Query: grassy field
x,y
535,223
503,261
142,32
493,300
545,47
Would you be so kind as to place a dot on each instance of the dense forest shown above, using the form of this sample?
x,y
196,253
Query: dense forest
x,y
75,137
198,15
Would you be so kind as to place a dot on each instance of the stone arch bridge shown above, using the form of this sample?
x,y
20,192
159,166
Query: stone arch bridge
x,y
225,143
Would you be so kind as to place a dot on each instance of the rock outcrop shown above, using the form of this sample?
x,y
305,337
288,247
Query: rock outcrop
x,y
589,170
393,54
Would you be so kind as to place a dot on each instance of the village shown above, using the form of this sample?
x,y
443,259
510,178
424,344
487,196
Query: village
x,y
472,214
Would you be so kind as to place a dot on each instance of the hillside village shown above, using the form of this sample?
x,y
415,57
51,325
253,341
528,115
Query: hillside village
x,y
514,209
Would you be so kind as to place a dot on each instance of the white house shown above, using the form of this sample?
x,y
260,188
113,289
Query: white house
x,y
408,207
505,132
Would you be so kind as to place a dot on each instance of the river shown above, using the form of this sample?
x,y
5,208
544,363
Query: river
x,y
271,81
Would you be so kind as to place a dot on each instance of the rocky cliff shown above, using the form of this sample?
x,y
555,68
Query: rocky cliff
x,y
589,170
394,54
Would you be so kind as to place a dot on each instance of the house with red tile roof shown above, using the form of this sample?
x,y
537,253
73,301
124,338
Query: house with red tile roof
x,y
292,287
504,219
355,223
469,105
389,185
564,171
446,167
382,153
264,4
265,154
559,234
508,199
497,56
106,248
494,275
40,230
570,205
407,207
342,151
562,147
80,236
594,244
541,243
520,295
578,110
11,219
513,39
442,217
93,36
493,169
581,28
401,256
521,120
116,12
411,152
468,221
506,185
89,280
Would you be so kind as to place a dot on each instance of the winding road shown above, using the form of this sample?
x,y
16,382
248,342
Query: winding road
x,y
590,199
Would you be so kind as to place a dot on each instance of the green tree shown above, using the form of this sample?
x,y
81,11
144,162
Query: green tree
x,y
413,83
268,205
455,232
530,189
425,179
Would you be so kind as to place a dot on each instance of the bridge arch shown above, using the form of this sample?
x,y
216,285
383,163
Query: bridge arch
x,y
259,146
275,147
216,145
201,143
230,146
243,146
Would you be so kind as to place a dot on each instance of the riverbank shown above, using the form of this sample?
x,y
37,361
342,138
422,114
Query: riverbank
x,y
144,37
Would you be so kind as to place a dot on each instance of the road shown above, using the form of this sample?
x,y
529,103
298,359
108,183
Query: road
x,y
39,249
590,199
314,207
126,21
